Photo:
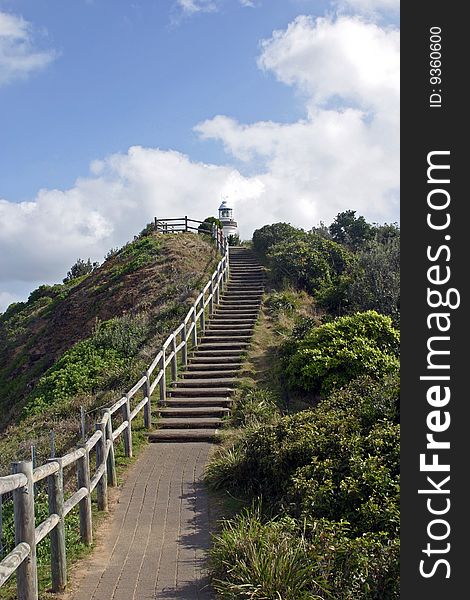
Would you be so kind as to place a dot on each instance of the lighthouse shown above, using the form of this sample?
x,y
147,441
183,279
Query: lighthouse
x,y
229,226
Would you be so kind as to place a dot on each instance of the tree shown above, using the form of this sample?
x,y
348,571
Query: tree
x,y
81,268
350,230
206,225
269,235
310,261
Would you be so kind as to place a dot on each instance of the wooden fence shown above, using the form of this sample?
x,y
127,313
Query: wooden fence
x,y
22,558
184,224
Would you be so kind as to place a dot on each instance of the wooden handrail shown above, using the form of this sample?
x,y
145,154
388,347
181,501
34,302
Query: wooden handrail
x,y
101,442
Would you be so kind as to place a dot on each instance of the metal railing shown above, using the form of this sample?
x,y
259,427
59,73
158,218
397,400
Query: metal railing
x,y
22,558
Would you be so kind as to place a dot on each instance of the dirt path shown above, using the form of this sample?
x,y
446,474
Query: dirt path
x,y
154,546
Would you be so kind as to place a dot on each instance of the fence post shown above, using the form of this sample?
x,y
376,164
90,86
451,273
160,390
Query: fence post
x,y
57,535
194,332
148,406
202,318
211,301
111,463
174,360
23,505
184,350
83,476
163,377
126,416
102,485
186,223
217,288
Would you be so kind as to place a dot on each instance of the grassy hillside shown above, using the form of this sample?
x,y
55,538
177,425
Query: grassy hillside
x,y
85,341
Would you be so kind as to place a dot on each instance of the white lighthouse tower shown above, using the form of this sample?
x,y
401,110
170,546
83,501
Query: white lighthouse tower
x,y
230,227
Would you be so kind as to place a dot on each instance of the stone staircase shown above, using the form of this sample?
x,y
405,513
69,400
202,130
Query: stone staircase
x,y
201,397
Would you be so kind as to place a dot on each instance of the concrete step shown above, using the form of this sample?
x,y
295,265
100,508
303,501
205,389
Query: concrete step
x,y
222,345
209,374
179,392
184,435
235,354
190,423
217,331
186,402
205,382
194,411
222,360
224,338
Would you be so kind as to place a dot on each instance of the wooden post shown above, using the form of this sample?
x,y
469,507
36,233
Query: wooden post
x,y
148,406
57,535
174,360
184,349
156,224
194,332
23,505
52,443
202,318
102,485
217,289
111,463
83,476
186,223
126,416
82,423
211,301
163,378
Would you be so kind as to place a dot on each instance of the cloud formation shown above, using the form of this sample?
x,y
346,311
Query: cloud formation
x,y
18,55
343,154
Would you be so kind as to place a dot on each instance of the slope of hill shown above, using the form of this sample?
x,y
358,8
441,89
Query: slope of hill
x,y
82,342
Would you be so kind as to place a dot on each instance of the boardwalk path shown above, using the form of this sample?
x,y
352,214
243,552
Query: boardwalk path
x,y
155,546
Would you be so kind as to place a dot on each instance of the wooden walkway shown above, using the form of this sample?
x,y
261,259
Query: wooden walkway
x,y
156,544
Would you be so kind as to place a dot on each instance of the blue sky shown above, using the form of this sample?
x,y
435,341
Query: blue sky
x,y
112,111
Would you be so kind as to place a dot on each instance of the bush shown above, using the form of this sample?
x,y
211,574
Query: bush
x,y
333,354
81,268
91,363
334,472
350,230
311,262
206,226
269,235
286,301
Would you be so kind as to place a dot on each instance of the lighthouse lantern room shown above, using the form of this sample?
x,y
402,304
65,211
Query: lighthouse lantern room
x,y
230,227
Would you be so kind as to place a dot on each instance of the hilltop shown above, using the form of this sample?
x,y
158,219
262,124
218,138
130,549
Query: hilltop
x,y
80,342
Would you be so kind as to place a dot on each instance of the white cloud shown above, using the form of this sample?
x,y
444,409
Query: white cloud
x,y
41,239
191,7
18,56
343,154
371,7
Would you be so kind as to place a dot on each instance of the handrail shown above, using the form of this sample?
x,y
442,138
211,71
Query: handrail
x,y
23,478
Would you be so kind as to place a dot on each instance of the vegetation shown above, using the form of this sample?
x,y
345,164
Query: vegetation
x,y
82,343
81,268
319,359
313,453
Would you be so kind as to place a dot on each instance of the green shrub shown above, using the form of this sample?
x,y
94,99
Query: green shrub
x,y
310,262
269,235
334,471
103,358
333,354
